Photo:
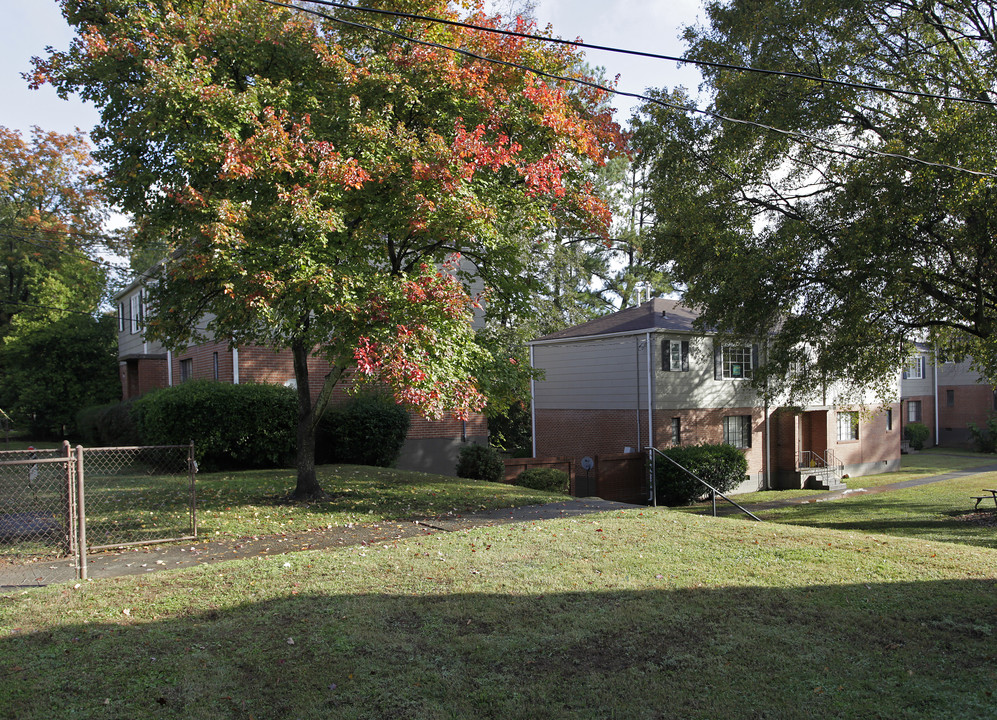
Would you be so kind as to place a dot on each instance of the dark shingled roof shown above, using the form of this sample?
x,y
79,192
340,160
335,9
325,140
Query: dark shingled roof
x,y
657,314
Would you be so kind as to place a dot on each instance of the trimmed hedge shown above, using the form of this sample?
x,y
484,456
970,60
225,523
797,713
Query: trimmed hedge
x,y
722,466
480,462
365,430
232,426
916,433
550,479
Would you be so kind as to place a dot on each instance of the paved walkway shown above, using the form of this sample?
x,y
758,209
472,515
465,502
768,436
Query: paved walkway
x,y
840,494
151,558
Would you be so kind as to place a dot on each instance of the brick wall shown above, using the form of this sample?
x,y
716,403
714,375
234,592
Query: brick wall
x,y
140,375
971,404
577,433
876,444
927,415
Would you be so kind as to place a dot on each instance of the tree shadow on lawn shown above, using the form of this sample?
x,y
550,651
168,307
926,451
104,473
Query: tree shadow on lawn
x,y
897,650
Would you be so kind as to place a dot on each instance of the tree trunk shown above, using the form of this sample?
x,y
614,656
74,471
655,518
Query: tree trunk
x,y
307,486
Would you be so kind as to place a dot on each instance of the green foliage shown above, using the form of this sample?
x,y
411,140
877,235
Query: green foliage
x,y
722,466
52,371
111,425
232,426
916,434
366,430
512,431
812,244
480,462
550,479
51,214
315,177
985,438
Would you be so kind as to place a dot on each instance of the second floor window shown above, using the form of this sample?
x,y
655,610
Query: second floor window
x,y
737,361
915,370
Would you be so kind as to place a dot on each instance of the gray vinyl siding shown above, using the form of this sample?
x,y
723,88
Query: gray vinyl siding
x,y
607,374
957,374
130,343
697,387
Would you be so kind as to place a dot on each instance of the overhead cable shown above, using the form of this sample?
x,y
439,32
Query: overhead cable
x,y
656,101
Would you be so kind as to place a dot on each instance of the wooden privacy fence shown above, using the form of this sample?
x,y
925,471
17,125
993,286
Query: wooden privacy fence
x,y
621,477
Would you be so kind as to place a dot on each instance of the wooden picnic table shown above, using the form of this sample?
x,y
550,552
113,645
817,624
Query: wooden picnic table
x,y
981,498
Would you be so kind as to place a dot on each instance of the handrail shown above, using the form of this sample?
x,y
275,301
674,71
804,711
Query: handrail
x,y
713,491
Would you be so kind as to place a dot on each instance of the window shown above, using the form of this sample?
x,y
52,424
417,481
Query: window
x,y
915,370
186,369
737,430
735,361
133,308
214,365
889,418
676,431
121,317
913,411
848,425
675,355
950,398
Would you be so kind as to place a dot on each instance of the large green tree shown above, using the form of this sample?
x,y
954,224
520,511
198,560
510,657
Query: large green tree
x,y
51,215
313,178
852,228
54,370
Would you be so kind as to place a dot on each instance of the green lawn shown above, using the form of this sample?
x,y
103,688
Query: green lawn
x,y
132,506
641,614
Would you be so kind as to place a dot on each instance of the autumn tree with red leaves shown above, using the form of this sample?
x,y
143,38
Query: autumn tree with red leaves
x,y
314,178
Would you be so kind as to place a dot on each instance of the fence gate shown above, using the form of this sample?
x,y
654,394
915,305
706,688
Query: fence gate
x,y
58,505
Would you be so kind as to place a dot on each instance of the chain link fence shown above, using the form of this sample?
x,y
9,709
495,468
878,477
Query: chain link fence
x,y
58,505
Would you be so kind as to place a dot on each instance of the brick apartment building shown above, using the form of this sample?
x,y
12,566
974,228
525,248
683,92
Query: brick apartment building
x,y
431,446
946,397
644,376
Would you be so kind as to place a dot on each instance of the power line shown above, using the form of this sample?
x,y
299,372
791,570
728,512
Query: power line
x,y
656,101
655,56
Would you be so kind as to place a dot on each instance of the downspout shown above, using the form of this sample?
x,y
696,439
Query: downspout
x,y
637,356
533,404
235,366
650,397
767,482
169,368
934,365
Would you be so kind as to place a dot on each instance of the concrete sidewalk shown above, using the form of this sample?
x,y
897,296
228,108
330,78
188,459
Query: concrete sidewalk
x,y
153,558
840,494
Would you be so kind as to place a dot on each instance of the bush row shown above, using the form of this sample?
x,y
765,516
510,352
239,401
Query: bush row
x,y
247,426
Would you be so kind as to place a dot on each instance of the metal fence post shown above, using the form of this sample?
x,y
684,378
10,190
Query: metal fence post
x,y
81,522
192,469
68,506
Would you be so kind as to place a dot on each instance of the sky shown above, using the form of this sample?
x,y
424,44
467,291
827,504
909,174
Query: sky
x,y
649,25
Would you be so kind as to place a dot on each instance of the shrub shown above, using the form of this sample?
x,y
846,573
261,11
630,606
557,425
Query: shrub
x,y
108,425
916,433
365,430
232,426
480,462
985,438
722,466
550,479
